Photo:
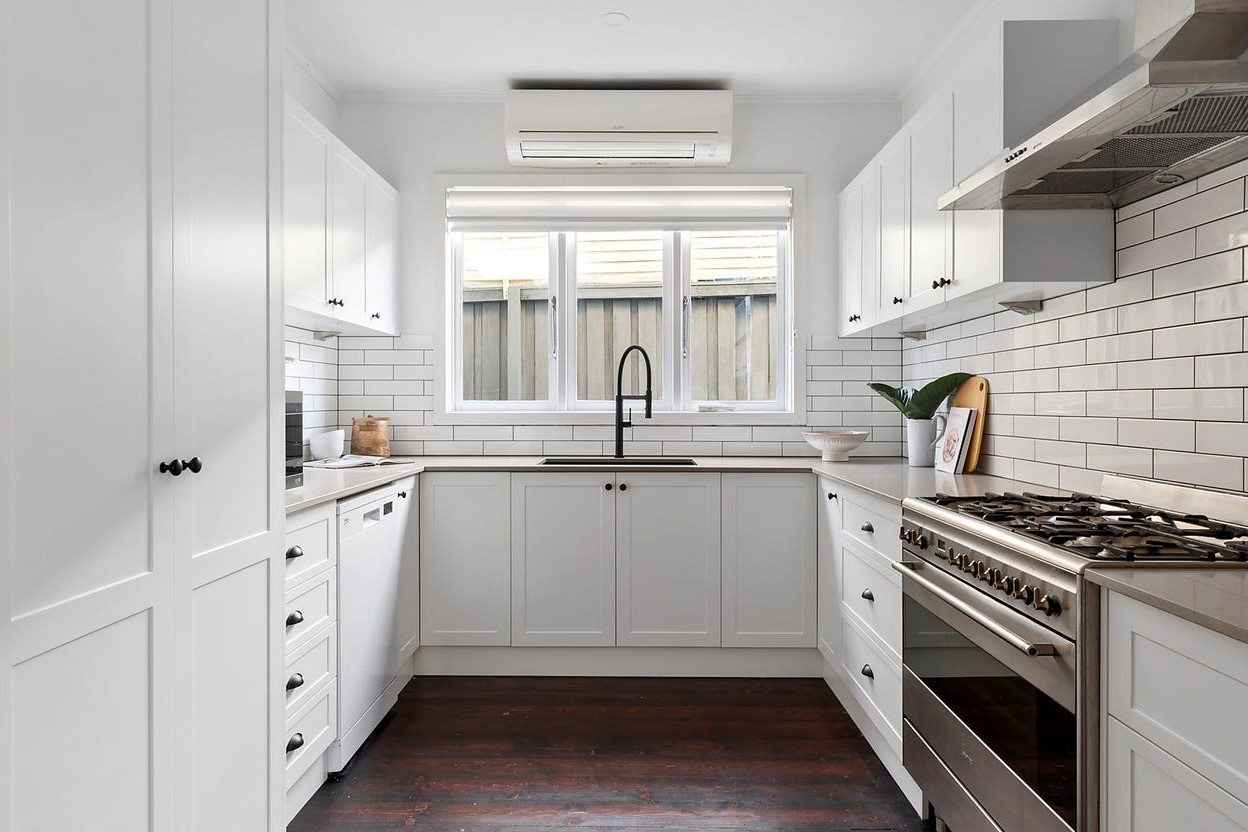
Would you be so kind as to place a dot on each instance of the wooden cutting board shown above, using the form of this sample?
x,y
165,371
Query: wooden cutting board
x,y
974,393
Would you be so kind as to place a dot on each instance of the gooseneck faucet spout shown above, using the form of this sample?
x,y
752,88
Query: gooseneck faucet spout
x,y
620,421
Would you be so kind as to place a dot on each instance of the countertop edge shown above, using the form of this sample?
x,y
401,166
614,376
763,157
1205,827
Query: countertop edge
x,y
1115,580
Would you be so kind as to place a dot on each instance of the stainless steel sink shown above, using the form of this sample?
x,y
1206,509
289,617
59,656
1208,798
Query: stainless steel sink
x,y
612,462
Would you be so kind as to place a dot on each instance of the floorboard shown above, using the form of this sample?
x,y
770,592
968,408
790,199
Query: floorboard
x,y
525,754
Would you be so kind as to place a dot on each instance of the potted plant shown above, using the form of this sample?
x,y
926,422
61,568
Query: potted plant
x,y
919,407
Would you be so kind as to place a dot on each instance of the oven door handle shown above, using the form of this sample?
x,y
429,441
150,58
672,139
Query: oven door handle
x,y
911,570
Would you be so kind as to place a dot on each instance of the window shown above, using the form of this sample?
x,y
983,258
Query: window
x,y
544,306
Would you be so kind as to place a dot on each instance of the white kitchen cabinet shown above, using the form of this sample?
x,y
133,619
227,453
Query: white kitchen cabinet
x,y
668,559
851,274
829,594
340,247
930,137
894,268
769,561
563,559
407,619
465,558
136,228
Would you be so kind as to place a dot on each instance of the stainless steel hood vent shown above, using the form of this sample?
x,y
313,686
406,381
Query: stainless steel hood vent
x,y
1176,110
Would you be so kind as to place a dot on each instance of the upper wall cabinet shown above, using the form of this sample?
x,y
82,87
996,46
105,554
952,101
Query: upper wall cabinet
x,y
903,258
340,246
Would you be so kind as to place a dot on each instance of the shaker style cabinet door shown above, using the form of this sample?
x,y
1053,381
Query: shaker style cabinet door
x,y
931,175
305,212
894,263
829,542
563,559
381,270
348,203
465,559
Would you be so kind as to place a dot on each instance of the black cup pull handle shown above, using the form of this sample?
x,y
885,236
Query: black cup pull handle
x,y
868,595
294,743
294,618
294,552
867,527
295,681
867,671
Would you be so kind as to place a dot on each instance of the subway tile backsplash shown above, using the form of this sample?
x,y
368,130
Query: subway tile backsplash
x,y
1151,369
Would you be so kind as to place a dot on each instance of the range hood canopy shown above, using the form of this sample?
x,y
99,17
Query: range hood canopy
x,y
1177,109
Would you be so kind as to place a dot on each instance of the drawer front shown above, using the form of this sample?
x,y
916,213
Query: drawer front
x,y
866,522
1180,686
310,734
875,682
873,595
310,543
309,670
309,608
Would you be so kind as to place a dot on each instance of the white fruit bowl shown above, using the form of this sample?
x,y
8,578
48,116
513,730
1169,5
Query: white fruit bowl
x,y
835,445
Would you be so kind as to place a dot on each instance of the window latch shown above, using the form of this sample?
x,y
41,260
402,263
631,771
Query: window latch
x,y
552,313
684,327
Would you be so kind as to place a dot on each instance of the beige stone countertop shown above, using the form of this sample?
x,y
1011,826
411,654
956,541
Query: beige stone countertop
x,y
889,478
1216,598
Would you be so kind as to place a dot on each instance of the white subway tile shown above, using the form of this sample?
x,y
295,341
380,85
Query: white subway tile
x,y
697,448
1041,473
1157,433
1032,381
1199,339
1211,404
1134,230
1226,174
574,448
1222,438
1154,254
1200,469
1066,354
753,449
1038,427
1131,403
1089,325
1203,207
1122,291
1220,235
593,433
1229,370
722,433
1121,460
1061,404
1201,273
1080,480
1014,403
1023,359
1131,346
421,433
1016,447
663,433
1155,201
1089,377
1223,302
1089,429
1061,453
1154,314
1165,372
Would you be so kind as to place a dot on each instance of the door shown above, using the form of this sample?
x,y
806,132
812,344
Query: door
x,y
667,560
931,175
348,200
769,560
465,559
894,228
381,230
869,284
305,211
851,259
829,592
407,619
563,559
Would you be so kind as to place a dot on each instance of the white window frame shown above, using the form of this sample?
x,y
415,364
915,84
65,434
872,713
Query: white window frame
x,y
790,405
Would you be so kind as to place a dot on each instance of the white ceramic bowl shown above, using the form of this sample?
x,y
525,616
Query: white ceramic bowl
x,y
835,445
327,445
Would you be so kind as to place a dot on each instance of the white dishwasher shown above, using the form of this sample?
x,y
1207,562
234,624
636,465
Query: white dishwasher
x,y
370,555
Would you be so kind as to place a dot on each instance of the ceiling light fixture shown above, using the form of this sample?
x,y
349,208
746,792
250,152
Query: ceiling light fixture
x,y
616,19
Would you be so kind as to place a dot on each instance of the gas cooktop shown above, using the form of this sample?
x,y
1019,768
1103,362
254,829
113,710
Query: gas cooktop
x,y
1105,529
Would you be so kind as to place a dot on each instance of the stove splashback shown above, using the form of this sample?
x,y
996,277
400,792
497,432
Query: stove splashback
x,y
1227,506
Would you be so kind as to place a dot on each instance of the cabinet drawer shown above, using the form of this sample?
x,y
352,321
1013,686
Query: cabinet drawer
x,y
874,595
1180,686
310,543
310,734
309,608
875,682
309,669
871,524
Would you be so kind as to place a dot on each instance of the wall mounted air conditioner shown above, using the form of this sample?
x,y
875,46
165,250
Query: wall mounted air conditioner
x,y
619,128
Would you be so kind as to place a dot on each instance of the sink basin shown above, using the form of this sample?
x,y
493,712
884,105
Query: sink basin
x,y
611,462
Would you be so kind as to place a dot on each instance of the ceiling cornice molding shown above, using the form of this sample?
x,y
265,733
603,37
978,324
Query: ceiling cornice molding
x,y
500,97
964,23
331,89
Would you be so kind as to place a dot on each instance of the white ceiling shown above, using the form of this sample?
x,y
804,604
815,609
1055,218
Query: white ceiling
x,y
416,48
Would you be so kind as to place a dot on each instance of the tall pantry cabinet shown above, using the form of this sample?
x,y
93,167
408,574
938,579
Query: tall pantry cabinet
x,y
140,389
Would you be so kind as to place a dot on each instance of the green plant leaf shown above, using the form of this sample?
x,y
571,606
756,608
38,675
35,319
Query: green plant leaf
x,y
925,403
900,399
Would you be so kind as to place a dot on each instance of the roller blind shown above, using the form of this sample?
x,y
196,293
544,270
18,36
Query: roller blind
x,y
573,207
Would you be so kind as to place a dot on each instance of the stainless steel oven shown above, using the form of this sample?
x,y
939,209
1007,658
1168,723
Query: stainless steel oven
x,y
989,701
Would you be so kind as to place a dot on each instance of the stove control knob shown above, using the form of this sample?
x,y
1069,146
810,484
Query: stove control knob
x,y
951,555
1024,592
972,566
1048,605
1004,582
905,534
920,540
989,576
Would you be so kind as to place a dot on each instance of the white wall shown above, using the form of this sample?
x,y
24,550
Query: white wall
x,y
299,82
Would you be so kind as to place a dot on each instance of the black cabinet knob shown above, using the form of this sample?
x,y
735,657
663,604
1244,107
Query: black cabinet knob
x,y
337,302
294,618
831,495
294,552
867,671
623,487
897,300
177,466
403,494
295,681
867,527
935,284
868,595
294,743
607,486
377,315
194,465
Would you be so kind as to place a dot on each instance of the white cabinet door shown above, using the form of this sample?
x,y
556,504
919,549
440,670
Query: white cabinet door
x,y
931,175
305,212
1147,790
829,593
851,259
381,232
668,560
869,286
348,202
465,559
769,560
563,559
894,229
407,619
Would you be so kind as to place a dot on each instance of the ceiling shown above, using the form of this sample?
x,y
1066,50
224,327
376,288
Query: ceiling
x,y
416,48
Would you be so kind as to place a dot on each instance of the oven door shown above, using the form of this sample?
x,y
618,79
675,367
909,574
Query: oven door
x,y
988,697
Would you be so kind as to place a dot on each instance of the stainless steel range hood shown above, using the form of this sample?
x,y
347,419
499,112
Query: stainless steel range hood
x,y
1177,109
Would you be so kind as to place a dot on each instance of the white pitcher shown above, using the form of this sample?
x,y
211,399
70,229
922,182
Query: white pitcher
x,y
921,435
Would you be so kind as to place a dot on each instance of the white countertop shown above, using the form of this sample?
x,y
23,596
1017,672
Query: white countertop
x,y
887,477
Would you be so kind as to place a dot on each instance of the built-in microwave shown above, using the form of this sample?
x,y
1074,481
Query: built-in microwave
x,y
294,439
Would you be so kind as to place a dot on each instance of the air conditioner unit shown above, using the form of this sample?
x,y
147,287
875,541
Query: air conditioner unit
x,y
619,128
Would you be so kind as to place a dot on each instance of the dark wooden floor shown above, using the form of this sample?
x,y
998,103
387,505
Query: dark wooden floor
x,y
524,754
